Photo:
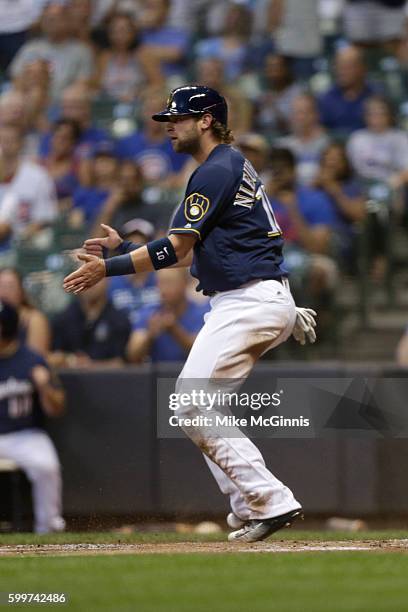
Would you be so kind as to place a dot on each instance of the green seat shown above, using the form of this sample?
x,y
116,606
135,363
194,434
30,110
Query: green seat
x,y
67,238
46,291
102,112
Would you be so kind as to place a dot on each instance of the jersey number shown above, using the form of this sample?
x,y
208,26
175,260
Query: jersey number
x,y
162,255
19,406
274,230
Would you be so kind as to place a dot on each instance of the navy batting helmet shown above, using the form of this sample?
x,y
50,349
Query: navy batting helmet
x,y
8,321
194,101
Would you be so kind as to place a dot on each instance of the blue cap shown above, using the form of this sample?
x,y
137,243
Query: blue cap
x,y
194,101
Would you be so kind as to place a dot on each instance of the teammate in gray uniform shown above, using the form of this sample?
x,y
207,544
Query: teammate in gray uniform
x,y
225,229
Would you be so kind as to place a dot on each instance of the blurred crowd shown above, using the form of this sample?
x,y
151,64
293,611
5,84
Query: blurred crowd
x,y
317,92
318,102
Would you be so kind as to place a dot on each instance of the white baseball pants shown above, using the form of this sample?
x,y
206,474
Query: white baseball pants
x,y
242,325
35,454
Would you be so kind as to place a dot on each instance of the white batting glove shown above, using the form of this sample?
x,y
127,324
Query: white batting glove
x,y
304,326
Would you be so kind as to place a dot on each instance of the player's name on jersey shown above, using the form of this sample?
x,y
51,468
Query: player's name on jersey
x,y
246,193
233,421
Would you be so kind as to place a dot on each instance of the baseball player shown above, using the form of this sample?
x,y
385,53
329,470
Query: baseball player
x,y
26,392
225,229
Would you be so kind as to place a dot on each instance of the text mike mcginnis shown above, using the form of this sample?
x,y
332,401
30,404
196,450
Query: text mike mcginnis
x,y
218,420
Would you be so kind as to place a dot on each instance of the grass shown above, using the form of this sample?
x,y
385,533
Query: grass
x,y
241,582
304,582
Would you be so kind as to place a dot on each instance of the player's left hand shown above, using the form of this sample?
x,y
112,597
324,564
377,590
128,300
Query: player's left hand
x,y
305,323
90,273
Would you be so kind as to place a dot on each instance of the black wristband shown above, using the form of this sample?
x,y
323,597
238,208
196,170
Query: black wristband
x,y
162,253
120,265
126,246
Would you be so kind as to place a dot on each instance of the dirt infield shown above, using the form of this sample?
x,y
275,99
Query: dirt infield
x,y
25,550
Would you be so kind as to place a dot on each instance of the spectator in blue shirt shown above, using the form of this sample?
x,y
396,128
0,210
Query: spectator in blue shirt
x,y
76,106
131,293
308,220
342,106
166,331
306,215
151,148
88,201
166,44
233,46
61,163
335,178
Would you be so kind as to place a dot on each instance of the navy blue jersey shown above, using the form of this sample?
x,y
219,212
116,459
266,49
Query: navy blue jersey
x,y
19,402
227,208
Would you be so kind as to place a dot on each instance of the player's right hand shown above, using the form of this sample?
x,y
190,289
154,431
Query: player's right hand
x,y
94,246
88,275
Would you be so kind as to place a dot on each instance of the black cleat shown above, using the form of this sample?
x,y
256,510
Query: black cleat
x,y
257,530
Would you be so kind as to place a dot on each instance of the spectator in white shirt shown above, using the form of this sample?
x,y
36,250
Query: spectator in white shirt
x,y
375,22
16,19
308,138
70,60
26,107
380,151
27,193
295,29
278,89
14,112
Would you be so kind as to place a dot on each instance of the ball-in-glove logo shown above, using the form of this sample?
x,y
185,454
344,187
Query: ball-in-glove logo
x,y
196,206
